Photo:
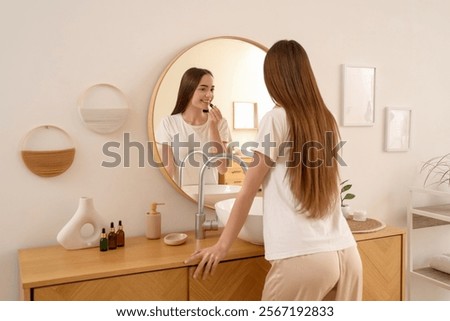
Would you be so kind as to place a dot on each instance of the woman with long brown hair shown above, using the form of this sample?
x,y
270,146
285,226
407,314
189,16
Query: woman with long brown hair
x,y
193,125
306,238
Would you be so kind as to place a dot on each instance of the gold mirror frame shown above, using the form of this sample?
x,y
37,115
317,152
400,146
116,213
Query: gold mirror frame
x,y
151,125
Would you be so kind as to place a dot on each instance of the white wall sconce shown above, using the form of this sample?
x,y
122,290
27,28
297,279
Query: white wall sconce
x,y
47,150
103,108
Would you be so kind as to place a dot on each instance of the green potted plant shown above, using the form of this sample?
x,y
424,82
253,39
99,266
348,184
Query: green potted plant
x,y
437,170
346,195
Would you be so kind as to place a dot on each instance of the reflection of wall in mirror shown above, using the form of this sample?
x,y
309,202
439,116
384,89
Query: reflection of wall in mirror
x,y
237,67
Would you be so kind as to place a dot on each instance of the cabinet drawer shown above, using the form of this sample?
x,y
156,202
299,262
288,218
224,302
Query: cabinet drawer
x,y
234,175
233,178
170,285
382,268
240,280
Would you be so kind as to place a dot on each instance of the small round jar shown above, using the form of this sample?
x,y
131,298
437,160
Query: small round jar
x,y
359,215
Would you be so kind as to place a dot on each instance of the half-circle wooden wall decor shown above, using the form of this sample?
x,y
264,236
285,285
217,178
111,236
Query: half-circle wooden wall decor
x,y
103,108
48,151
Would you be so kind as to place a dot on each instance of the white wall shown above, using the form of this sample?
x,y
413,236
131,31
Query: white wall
x,y
53,50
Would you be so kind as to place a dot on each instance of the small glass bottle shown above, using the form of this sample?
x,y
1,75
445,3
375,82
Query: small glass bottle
x,y
112,238
103,241
120,235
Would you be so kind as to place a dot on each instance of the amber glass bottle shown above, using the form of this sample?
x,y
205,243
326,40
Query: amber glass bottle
x,y
120,235
112,237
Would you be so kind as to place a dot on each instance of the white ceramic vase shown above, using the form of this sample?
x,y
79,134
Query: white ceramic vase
x,y
71,236
346,211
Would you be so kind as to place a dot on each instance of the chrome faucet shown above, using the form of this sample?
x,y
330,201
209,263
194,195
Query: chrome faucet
x,y
201,223
183,162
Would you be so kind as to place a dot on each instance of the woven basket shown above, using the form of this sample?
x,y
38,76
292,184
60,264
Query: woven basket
x,y
367,226
104,120
47,163
50,162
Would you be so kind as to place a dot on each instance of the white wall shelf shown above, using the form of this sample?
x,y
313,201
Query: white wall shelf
x,y
428,209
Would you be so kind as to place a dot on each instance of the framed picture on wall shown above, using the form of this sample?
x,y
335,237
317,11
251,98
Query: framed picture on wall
x,y
398,129
245,115
358,101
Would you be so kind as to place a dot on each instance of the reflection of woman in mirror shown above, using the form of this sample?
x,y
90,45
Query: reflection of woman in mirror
x,y
193,125
307,240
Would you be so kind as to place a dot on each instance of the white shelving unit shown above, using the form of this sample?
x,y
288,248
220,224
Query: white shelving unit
x,y
428,229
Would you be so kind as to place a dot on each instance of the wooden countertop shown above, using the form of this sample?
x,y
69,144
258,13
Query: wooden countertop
x,y
55,265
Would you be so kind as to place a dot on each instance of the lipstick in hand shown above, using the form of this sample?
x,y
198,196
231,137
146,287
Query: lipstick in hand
x,y
206,110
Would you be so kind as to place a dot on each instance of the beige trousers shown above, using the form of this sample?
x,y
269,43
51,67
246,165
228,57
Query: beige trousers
x,y
325,276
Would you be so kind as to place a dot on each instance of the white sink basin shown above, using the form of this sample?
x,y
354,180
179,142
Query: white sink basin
x,y
213,193
252,231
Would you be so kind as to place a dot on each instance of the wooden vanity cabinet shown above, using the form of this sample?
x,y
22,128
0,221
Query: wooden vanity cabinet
x,y
133,287
383,257
240,280
147,270
143,270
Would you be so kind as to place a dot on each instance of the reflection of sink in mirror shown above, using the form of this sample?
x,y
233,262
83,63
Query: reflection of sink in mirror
x,y
252,231
213,193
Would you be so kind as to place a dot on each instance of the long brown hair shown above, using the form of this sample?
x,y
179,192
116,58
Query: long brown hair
x,y
188,84
313,130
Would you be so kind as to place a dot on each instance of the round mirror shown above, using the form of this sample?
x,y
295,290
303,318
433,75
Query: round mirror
x,y
237,66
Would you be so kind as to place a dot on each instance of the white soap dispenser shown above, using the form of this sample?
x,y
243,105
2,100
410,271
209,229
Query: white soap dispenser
x,y
153,224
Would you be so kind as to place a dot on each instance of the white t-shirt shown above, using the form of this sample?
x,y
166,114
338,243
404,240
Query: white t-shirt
x,y
185,138
287,232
